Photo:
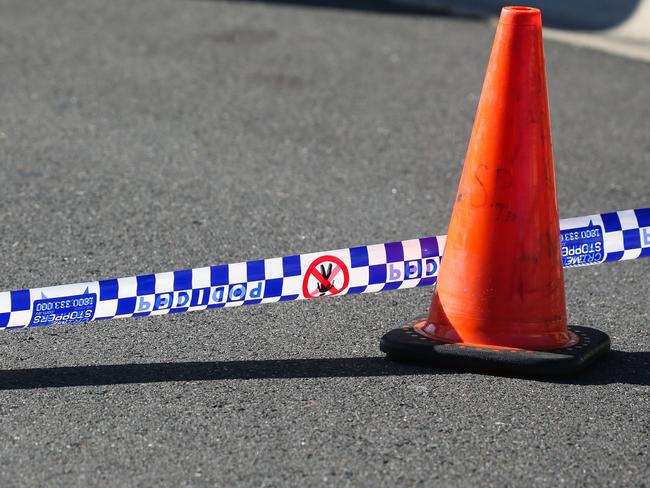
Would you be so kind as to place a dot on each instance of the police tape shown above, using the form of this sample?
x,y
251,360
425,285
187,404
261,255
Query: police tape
x,y
588,240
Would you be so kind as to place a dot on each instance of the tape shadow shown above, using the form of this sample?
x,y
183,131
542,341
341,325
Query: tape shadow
x,y
116,374
620,367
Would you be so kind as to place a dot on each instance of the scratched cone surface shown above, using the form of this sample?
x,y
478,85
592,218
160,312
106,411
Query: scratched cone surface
x,y
501,279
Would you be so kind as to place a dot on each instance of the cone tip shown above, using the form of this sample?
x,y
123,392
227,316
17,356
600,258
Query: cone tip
x,y
521,16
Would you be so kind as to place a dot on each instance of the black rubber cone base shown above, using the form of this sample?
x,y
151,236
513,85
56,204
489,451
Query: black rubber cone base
x,y
406,344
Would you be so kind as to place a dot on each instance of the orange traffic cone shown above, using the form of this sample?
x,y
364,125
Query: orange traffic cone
x,y
499,301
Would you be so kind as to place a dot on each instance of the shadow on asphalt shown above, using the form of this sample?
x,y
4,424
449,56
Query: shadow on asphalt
x,y
114,374
620,367
581,15
375,6
584,15
632,368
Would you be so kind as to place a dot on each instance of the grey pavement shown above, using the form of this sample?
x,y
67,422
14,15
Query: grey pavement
x,y
149,136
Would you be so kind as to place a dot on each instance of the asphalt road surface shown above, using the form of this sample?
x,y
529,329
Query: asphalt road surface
x,y
149,136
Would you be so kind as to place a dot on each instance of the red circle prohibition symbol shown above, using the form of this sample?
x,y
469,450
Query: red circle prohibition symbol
x,y
326,284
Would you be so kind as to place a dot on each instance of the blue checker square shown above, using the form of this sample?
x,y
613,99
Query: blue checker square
x,y
359,256
645,252
291,266
428,281
611,222
394,252
125,306
178,310
182,279
19,300
4,319
356,289
392,285
142,314
255,270
614,256
219,275
108,289
146,284
429,247
377,274
288,298
273,288
631,239
643,216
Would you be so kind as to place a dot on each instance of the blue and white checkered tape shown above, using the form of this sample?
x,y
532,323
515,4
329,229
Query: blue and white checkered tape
x,y
585,240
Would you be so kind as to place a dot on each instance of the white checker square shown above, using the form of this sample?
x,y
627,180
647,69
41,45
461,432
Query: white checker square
x,y
292,285
162,311
376,254
374,288
628,219
5,302
409,283
412,249
201,277
271,299
20,319
197,307
613,241
164,282
105,308
442,240
127,287
359,276
125,315
631,254
237,273
273,268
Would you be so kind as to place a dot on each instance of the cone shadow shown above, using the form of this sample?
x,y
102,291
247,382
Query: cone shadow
x,y
632,368
620,367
